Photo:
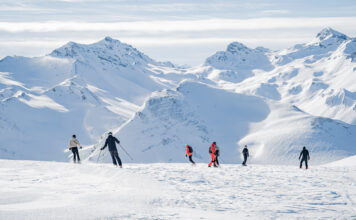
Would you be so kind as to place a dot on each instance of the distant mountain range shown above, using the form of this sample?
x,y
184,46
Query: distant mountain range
x,y
273,101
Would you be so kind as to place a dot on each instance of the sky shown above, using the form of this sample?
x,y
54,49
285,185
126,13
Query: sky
x,y
180,31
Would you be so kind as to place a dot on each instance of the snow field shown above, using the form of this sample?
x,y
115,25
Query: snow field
x,y
51,190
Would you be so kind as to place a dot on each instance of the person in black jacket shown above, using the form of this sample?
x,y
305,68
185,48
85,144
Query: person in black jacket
x,y
245,154
110,141
305,157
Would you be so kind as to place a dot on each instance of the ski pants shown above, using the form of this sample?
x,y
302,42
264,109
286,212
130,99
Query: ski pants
x,y
191,159
306,162
115,158
75,154
213,159
245,159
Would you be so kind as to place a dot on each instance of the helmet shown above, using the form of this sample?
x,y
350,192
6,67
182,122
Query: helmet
x,y
214,142
110,133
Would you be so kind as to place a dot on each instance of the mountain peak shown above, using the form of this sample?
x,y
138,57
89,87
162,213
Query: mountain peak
x,y
106,50
236,46
328,32
109,40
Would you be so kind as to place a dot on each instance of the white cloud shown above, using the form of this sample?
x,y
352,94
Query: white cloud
x,y
275,12
181,25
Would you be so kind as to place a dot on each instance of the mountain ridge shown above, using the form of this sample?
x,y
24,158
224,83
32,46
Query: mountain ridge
x,y
89,89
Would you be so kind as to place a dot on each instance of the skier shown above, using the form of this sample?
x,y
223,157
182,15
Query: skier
x,y
212,150
110,141
245,154
217,154
189,152
73,145
305,157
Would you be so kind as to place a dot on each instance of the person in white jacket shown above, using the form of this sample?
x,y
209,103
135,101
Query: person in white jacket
x,y
73,145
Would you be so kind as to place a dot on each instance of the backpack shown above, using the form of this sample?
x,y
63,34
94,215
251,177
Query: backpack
x,y
190,149
210,150
217,153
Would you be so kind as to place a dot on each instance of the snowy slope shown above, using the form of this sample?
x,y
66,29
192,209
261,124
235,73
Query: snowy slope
x,y
346,162
77,89
51,190
198,114
194,114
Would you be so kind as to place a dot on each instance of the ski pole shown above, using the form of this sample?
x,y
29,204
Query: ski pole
x,y
98,157
125,152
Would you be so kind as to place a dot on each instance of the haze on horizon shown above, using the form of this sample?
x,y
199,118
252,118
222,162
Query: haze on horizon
x,y
183,32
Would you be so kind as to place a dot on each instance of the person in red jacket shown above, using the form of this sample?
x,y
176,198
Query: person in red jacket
x,y
212,150
189,152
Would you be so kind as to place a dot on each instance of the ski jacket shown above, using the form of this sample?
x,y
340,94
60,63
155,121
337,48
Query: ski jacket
x,y
189,150
217,151
245,152
305,154
73,143
212,149
110,141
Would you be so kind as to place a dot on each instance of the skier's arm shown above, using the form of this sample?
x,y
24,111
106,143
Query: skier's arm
x,y
248,153
300,154
308,156
77,142
116,140
106,144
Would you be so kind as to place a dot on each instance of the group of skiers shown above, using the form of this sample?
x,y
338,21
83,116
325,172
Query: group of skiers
x,y
214,152
110,142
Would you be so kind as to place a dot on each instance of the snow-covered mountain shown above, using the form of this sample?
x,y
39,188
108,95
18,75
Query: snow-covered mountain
x,y
198,114
273,101
77,89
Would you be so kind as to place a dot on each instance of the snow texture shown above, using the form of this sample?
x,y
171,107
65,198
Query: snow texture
x,y
52,190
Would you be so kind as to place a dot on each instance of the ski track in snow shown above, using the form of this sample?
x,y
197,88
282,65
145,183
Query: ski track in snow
x,y
51,190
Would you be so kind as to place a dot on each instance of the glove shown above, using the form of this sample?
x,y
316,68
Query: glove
x,y
102,148
81,147
185,155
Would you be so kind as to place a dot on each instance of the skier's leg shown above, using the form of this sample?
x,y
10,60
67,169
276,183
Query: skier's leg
x,y
217,161
306,163
301,163
211,162
191,159
116,154
78,158
75,154
113,158
212,159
